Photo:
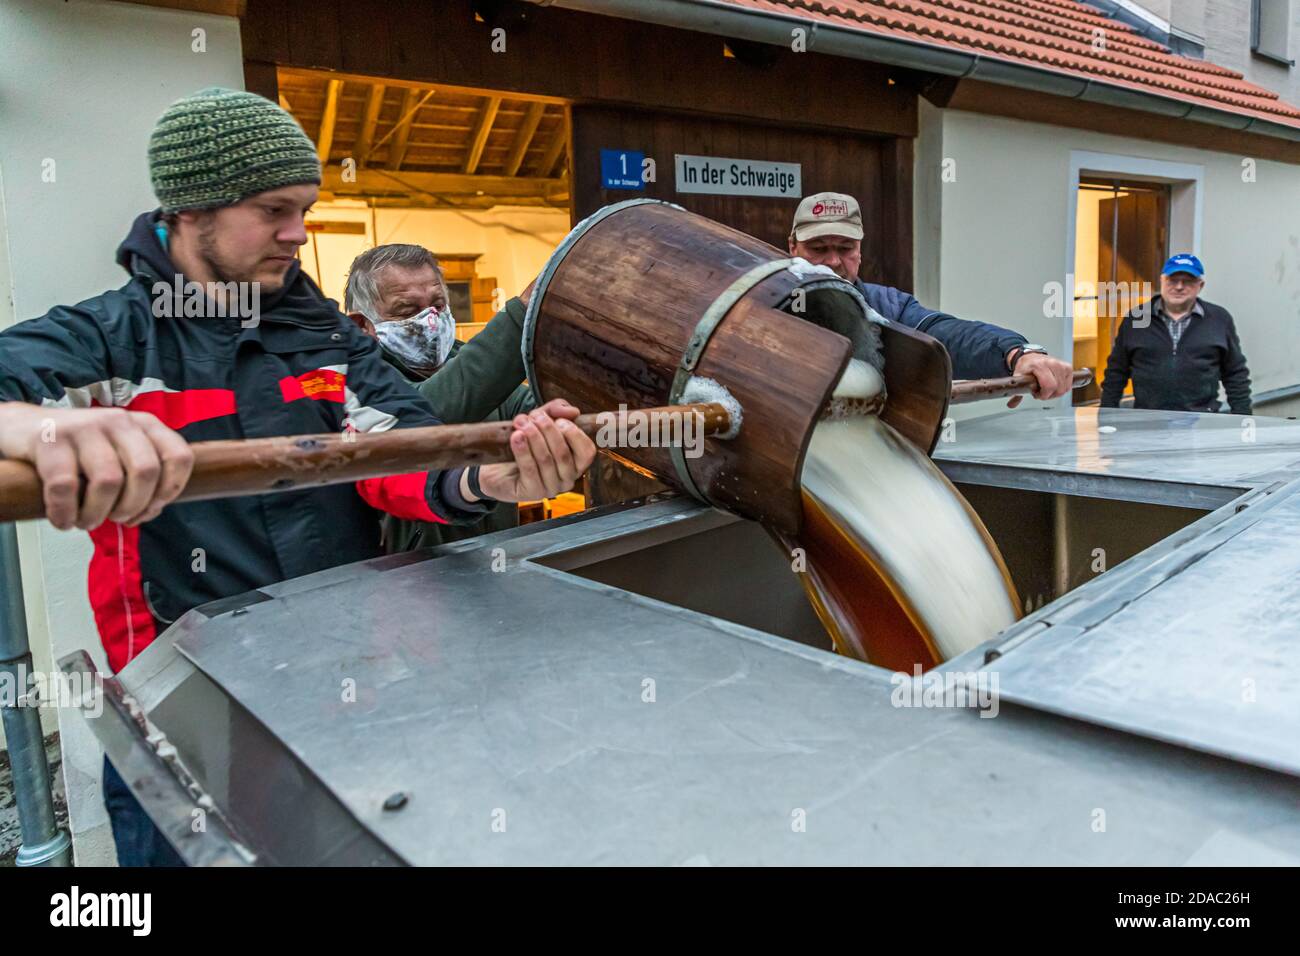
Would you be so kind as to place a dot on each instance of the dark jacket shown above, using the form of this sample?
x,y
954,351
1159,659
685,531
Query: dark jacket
x,y
401,535
302,368
483,374
977,349
1182,379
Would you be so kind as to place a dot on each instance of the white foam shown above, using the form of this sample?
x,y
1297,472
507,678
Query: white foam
x,y
860,380
706,390
884,492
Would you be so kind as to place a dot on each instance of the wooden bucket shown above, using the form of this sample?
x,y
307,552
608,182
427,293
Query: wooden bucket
x,y
642,295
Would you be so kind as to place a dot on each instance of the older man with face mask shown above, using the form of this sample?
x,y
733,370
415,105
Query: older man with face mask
x,y
1177,348
397,295
828,231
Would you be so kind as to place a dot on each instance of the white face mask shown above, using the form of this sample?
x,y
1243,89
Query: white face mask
x,y
422,342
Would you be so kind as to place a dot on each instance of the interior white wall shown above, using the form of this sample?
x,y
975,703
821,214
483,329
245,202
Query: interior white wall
x,y
83,82
513,242
1005,226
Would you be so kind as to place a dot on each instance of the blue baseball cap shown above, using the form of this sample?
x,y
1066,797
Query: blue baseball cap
x,y
1184,262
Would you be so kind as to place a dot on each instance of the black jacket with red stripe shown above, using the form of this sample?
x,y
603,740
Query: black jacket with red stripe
x,y
300,367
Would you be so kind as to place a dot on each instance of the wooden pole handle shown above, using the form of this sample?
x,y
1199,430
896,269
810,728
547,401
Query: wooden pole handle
x,y
255,466
978,389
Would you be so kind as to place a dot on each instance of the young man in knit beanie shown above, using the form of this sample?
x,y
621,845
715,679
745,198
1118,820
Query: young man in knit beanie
x,y
218,334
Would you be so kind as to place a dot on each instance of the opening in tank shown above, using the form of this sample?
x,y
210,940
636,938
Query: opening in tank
x,y
827,303
728,568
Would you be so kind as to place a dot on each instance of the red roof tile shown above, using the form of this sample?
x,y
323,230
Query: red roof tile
x,y
1057,35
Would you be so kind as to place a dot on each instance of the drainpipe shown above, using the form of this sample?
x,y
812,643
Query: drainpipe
x,y
764,26
44,844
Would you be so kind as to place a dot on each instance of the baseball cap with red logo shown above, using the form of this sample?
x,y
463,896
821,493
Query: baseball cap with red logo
x,y
827,214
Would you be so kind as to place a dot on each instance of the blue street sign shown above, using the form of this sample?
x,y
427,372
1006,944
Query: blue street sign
x,y
621,169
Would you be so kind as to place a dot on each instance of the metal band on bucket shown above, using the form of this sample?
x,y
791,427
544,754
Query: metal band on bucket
x,y
548,271
704,330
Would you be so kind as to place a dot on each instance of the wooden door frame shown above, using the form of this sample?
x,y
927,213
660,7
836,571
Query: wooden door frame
x,y
1186,212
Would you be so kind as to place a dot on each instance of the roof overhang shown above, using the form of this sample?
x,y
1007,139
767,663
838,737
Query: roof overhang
x,y
774,27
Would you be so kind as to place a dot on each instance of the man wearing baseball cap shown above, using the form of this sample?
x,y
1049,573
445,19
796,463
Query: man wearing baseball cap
x,y
1177,348
217,334
828,231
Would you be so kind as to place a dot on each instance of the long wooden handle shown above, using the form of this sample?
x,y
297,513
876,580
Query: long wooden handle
x,y
255,466
977,389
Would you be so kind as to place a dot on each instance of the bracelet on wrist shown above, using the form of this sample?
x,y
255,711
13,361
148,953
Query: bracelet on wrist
x,y
471,479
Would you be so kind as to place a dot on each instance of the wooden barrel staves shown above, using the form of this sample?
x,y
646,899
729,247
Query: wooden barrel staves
x,y
643,295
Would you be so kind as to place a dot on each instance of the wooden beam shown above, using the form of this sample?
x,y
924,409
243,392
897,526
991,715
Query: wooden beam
x,y
301,72
225,8
479,138
422,201
366,137
335,226
557,147
452,188
401,134
326,139
525,136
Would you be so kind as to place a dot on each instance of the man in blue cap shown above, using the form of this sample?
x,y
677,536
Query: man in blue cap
x,y
1177,348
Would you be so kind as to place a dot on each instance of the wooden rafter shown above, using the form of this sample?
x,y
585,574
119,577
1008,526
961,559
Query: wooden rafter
x,y
522,138
447,188
402,133
553,151
366,138
224,8
325,142
487,115
310,75
433,147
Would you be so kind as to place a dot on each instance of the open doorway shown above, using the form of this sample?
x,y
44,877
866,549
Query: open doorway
x,y
1121,242
479,178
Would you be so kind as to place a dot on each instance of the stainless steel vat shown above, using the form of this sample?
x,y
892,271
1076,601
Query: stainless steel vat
x,y
644,684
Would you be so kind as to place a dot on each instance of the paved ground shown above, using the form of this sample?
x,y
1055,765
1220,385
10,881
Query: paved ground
x,y
10,835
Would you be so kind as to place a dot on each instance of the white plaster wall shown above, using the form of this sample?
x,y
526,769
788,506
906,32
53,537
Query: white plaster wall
x,y
81,83
513,242
1004,233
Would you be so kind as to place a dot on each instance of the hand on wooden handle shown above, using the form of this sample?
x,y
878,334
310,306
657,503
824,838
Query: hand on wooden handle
x,y
1051,376
977,389
133,465
550,454
86,443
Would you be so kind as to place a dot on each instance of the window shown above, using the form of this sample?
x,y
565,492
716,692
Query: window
x,y
1270,30
461,300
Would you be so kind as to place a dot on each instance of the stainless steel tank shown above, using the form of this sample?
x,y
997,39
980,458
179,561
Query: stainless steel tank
x,y
645,684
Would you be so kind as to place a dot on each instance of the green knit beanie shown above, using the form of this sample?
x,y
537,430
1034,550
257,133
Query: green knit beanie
x,y
217,146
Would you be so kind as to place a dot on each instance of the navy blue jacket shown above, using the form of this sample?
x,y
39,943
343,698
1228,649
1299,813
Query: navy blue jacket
x,y
977,349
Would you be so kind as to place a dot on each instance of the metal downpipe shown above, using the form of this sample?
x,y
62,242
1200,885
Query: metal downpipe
x,y
44,844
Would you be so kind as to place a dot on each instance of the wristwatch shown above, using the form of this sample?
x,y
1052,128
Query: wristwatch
x,y
1020,353
471,479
